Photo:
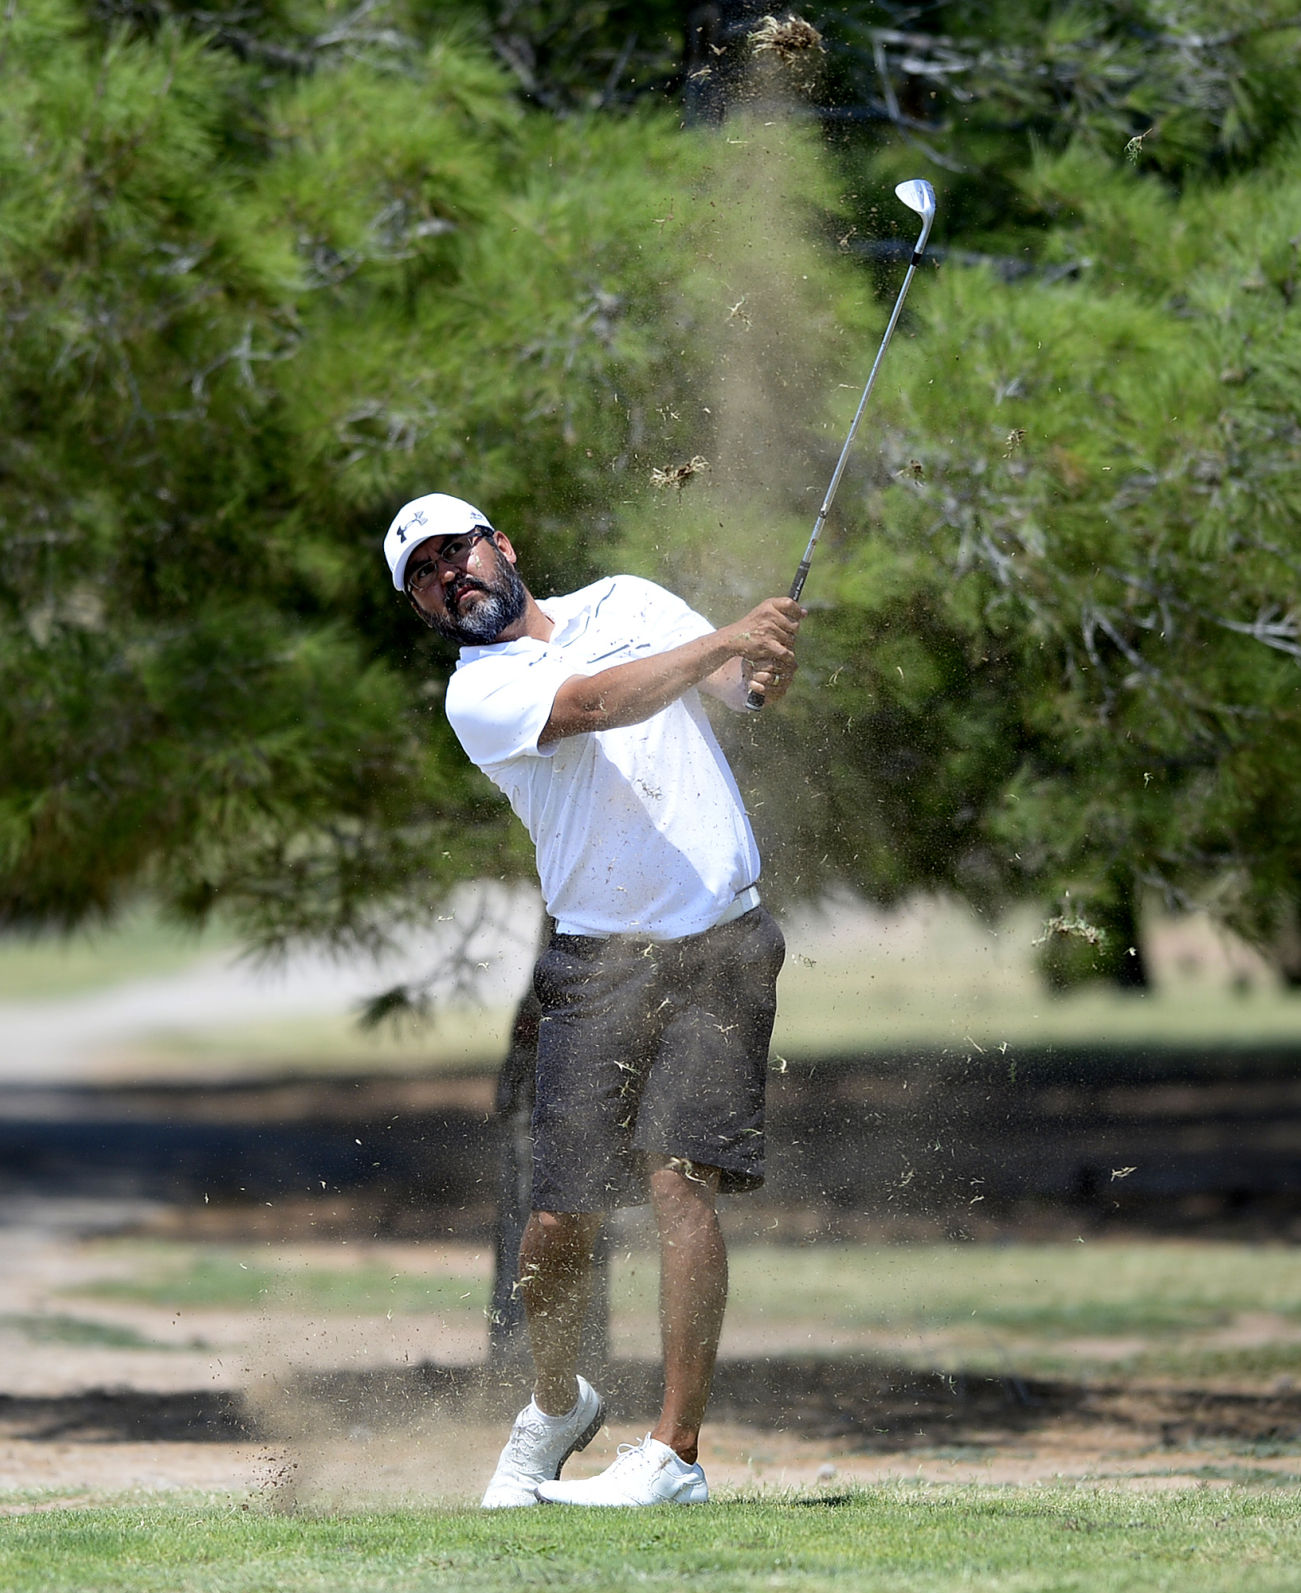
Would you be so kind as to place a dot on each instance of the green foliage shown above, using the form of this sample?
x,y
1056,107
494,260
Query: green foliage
x,y
1060,658
1106,518
581,55
242,319
266,272
1179,90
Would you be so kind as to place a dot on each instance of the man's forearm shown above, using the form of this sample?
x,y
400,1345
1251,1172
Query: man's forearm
x,y
627,694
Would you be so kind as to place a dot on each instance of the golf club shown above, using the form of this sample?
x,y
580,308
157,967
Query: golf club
x,y
918,195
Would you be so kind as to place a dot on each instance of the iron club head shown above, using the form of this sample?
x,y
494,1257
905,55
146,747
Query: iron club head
x,y
918,195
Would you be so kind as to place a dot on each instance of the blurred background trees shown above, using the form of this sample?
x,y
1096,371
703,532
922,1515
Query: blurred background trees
x,y
258,287
270,269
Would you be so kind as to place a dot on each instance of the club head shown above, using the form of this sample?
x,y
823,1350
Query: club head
x,y
918,195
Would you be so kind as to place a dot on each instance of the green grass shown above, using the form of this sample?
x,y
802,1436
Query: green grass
x,y
331,1043
895,1540
936,975
982,1307
932,975
181,1275
139,945
1158,1309
1104,1286
75,1330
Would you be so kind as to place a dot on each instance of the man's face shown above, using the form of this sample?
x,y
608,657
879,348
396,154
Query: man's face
x,y
466,586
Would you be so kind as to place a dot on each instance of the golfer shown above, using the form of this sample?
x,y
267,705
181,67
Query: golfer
x,y
657,989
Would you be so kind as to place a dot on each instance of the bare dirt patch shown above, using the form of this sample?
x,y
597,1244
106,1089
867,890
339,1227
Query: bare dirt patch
x,y
95,1446
294,1409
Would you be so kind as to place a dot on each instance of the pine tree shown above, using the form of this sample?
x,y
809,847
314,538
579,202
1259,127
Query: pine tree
x,y
265,274
245,313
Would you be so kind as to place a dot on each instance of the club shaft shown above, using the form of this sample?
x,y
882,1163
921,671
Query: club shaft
x,y
754,699
797,586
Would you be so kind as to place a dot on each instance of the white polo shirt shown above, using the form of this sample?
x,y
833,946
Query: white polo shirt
x,y
639,830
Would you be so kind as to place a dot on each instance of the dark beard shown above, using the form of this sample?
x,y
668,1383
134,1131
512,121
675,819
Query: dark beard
x,y
491,615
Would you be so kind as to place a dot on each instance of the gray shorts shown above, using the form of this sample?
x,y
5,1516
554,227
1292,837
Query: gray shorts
x,y
652,1046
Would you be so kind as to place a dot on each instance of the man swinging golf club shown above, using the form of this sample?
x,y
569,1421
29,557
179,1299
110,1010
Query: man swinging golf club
x,y
658,987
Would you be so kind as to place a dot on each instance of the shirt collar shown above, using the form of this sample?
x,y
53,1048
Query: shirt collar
x,y
570,614
569,619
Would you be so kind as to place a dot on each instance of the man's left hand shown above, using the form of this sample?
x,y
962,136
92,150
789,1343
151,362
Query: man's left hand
x,y
770,683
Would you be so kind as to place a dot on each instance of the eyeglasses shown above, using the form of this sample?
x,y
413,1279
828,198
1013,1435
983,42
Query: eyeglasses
x,y
452,552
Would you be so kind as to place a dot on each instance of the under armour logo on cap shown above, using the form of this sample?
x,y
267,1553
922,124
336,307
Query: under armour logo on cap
x,y
418,518
434,515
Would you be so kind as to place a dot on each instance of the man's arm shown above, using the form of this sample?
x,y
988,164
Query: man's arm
x,y
629,693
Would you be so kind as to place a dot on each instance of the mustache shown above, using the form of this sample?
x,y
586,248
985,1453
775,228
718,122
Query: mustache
x,y
461,587
504,599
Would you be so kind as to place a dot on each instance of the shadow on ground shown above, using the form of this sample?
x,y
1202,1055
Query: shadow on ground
x,y
876,1407
1168,1139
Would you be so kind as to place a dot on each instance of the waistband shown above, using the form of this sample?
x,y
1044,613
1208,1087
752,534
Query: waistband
x,y
743,902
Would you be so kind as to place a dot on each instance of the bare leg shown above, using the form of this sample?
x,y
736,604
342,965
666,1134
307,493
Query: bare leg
x,y
555,1271
693,1294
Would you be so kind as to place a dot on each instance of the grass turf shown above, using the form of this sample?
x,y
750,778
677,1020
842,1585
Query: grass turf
x,y
139,945
198,1279
902,1539
1151,1308
932,974
56,1328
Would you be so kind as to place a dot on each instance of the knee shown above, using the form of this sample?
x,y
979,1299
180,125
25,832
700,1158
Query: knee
x,y
683,1191
567,1235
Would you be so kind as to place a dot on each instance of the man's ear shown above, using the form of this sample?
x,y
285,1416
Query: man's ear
x,y
503,545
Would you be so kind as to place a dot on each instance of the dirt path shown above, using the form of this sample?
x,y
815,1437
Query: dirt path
x,y
445,1464
77,1452
484,942
287,1407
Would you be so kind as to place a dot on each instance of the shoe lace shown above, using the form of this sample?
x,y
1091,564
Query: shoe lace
x,y
523,1436
628,1456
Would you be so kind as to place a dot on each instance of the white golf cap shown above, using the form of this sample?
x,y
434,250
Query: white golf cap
x,y
434,515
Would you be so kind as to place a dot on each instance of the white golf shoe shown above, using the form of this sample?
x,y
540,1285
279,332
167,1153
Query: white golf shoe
x,y
648,1473
538,1447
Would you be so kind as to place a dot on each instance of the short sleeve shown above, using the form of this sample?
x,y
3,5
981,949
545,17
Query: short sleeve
x,y
498,707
